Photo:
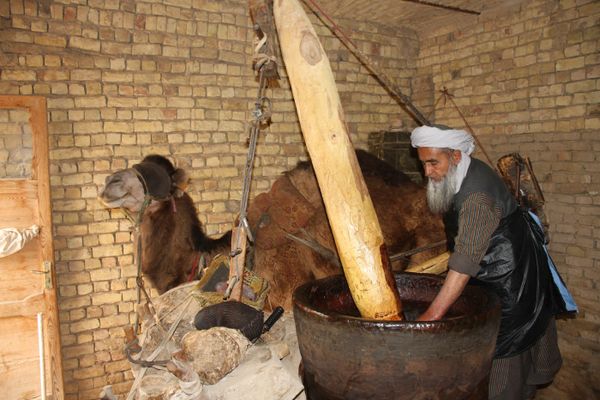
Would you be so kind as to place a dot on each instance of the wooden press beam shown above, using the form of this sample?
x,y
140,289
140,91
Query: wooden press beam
x,y
350,211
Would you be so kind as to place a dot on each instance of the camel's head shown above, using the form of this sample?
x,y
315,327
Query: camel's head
x,y
155,177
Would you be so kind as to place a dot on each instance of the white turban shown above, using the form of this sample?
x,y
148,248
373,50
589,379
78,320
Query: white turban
x,y
431,136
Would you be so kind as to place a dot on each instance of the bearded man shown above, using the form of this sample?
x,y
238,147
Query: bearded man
x,y
496,244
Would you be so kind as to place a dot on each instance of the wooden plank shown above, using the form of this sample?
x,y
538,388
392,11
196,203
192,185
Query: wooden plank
x,y
19,188
19,200
236,263
40,166
29,306
28,102
20,272
20,360
54,372
16,293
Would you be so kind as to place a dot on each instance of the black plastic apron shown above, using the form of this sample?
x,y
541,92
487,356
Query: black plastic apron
x,y
515,267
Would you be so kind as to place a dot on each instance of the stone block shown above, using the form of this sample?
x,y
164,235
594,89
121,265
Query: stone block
x,y
90,102
50,40
85,373
114,321
146,49
147,126
108,76
83,43
17,75
105,274
105,298
570,63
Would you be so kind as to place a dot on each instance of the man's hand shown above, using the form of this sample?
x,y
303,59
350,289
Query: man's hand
x,y
452,288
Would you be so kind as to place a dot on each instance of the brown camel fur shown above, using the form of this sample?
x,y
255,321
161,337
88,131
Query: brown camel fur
x,y
293,241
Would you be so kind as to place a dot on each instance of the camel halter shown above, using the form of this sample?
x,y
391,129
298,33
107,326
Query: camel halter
x,y
157,185
156,181
138,259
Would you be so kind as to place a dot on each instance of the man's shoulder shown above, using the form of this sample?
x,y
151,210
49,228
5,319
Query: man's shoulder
x,y
481,178
481,173
480,166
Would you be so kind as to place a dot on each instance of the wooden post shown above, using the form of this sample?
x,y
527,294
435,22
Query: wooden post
x,y
350,211
237,261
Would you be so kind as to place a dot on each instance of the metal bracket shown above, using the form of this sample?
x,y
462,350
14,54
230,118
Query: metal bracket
x,y
47,266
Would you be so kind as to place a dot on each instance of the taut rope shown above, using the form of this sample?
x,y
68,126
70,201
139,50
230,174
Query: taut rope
x,y
447,95
369,64
261,114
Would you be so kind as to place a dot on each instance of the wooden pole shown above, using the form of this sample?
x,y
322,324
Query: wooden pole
x,y
237,261
350,210
436,265
40,325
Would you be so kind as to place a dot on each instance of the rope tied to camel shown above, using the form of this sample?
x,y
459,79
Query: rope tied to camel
x,y
138,258
155,189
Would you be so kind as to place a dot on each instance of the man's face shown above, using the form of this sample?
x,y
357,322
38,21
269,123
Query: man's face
x,y
440,168
437,162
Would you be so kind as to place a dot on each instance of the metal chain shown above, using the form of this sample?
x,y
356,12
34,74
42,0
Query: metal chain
x,y
261,115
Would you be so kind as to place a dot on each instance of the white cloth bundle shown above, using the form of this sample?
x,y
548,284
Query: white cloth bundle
x,y
13,239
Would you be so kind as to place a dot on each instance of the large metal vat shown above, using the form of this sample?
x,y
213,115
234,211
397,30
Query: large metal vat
x,y
347,357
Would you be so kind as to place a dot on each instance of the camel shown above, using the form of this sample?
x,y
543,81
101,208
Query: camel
x,y
292,238
172,237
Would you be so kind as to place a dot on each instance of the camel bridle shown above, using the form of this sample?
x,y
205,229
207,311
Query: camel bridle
x,y
158,186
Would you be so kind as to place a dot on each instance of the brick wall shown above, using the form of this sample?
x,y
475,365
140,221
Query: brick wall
x,y
127,78
528,81
15,144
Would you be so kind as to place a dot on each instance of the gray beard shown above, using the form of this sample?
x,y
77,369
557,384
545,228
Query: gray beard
x,y
440,194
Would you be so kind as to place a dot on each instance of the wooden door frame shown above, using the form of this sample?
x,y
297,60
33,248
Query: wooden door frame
x,y
36,106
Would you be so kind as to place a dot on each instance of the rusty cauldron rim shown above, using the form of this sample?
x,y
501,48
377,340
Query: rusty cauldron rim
x,y
488,305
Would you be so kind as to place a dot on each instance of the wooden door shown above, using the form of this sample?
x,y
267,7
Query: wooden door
x,y
29,323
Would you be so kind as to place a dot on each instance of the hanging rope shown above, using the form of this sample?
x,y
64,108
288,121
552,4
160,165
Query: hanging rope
x,y
523,196
448,96
369,64
445,7
138,259
441,96
261,12
139,280
262,114
261,58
